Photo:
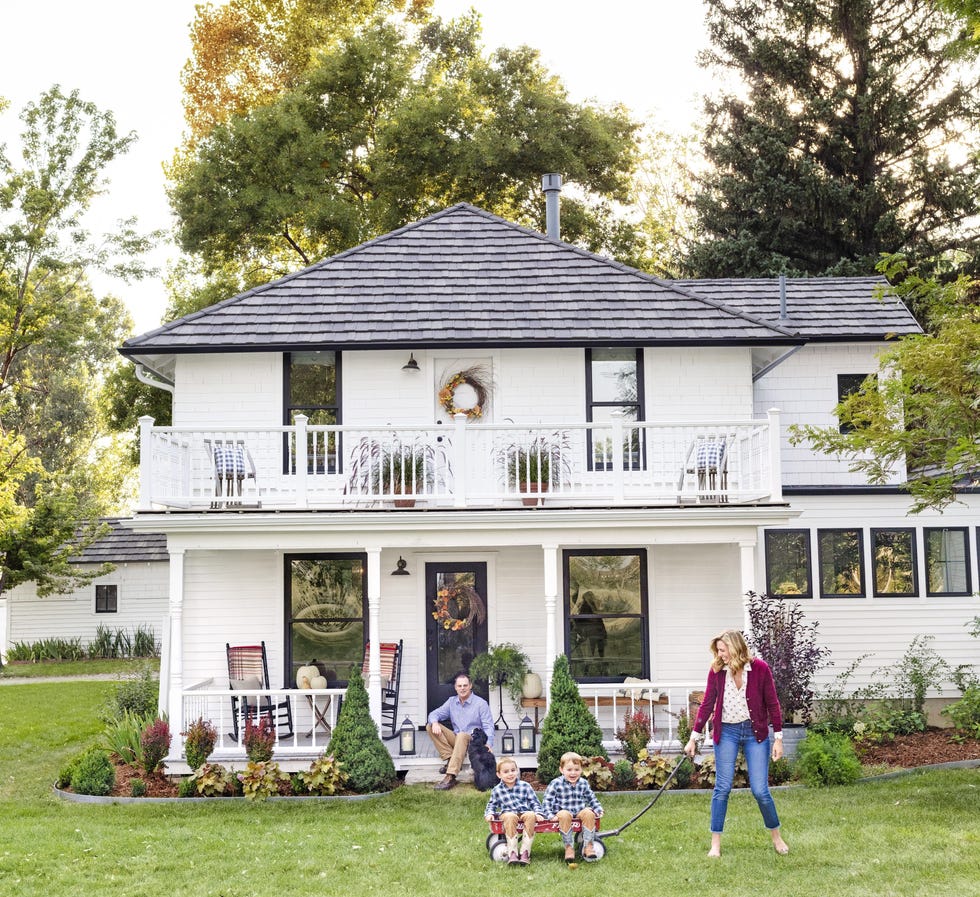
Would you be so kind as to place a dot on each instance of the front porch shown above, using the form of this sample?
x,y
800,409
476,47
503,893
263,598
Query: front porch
x,y
462,465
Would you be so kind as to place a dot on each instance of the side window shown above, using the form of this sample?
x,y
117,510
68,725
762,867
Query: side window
x,y
312,387
107,599
614,383
947,561
326,613
841,562
606,615
894,560
788,563
847,385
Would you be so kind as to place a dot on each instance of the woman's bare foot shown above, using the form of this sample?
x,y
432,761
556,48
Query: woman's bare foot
x,y
715,846
779,844
714,852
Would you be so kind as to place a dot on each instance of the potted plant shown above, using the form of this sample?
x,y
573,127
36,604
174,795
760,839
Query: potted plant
x,y
535,465
783,638
502,665
392,468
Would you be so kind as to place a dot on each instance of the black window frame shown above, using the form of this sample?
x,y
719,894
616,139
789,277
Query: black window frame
x,y
643,616
770,590
640,403
862,564
288,665
289,409
106,594
873,561
965,530
847,385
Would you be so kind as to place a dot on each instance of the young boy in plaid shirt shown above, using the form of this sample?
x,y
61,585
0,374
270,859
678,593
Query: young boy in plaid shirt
x,y
513,800
570,796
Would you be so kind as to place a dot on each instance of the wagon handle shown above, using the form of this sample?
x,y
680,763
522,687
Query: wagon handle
x,y
616,831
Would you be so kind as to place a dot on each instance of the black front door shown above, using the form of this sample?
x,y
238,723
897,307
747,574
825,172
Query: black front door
x,y
455,624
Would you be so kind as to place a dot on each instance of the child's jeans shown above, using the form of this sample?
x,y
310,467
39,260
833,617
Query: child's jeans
x,y
587,817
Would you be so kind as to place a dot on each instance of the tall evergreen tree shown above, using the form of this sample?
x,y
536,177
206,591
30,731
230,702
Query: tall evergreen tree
x,y
852,133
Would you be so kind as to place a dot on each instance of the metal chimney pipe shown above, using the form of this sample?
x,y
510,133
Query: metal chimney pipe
x,y
552,190
782,297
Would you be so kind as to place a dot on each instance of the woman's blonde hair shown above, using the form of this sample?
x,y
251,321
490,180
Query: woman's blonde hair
x,y
738,651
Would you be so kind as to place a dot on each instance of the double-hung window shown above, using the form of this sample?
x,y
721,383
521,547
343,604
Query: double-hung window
x,y
107,599
312,387
894,560
840,557
614,384
947,561
788,563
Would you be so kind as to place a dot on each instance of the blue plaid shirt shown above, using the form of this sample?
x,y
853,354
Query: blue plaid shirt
x,y
563,795
519,799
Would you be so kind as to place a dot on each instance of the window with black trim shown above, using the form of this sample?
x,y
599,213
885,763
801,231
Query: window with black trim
x,y
947,561
894,560
840,558
614,383
848,385
311,383
326,613
788,563
107,599
606,618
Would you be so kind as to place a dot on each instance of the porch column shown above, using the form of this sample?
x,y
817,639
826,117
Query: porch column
x,y
175,700
775,457
374,633
146,463
747,558
550,612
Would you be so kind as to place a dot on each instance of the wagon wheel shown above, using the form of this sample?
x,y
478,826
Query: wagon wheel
x,y
597,845
498,852
492,838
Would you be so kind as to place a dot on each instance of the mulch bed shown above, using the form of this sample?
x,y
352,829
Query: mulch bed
x,y
920,749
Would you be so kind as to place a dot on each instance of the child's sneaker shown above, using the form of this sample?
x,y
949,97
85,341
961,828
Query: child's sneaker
x,y
525,858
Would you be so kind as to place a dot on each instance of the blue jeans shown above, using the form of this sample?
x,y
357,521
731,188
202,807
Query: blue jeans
x,y
733,737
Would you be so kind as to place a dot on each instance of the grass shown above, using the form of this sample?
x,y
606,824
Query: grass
x,y
917,835
47,669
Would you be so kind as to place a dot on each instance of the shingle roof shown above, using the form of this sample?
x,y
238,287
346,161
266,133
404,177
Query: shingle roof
x,y
121,545
460,277
818,308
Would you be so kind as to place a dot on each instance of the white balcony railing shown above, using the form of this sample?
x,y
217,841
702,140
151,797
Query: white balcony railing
x,y
461,465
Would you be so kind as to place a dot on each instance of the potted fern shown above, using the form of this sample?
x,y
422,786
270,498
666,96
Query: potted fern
x,y
502,665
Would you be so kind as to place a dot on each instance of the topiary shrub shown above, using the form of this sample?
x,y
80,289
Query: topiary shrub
x,y
356,745
568,726
93,773
259,740
827,759
199,741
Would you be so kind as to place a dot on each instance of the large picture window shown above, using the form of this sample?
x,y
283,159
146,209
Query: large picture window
x,y
788,563
947,561
893,556
326,611
312,387
606,615
841,561
614,383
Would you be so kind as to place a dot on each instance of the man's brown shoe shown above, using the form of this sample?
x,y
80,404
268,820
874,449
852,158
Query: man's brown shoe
x,y
446,783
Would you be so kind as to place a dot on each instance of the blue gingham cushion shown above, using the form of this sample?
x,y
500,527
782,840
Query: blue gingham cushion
x,y
229,460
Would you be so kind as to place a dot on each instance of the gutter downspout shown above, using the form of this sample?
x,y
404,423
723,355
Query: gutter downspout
x,y
144,377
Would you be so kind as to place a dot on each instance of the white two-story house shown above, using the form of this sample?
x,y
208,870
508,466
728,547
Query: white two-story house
x,y
466,432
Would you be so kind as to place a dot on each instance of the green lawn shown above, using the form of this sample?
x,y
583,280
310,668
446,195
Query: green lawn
x,y
917,835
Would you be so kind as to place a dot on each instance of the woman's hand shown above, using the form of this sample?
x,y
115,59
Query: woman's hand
x,y
691,748
777,748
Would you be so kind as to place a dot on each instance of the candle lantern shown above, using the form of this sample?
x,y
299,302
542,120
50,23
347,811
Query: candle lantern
x,y
507,742
406,737
527,736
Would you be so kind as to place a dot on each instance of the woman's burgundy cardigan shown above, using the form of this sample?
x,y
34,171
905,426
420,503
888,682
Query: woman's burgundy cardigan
x,y
760,695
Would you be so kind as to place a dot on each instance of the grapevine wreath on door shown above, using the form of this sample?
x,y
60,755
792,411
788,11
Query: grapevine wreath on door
x,y
466,392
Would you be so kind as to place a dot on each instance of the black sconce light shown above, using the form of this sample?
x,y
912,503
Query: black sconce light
x,y
527,736
406,738
400,566
507,742
411,364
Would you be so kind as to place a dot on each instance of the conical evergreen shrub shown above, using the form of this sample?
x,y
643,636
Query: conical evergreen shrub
x,y
357,745
568,726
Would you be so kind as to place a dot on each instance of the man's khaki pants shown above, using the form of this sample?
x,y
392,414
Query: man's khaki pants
x,y
451,747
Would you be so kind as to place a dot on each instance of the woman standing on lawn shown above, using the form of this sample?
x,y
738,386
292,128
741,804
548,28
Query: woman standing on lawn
x,y
741,694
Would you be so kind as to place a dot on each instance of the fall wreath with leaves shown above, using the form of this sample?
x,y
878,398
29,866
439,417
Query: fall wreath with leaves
x,y
457,606
478,380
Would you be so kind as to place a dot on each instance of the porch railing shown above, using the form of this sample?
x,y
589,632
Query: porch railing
x,y
461,465
662,702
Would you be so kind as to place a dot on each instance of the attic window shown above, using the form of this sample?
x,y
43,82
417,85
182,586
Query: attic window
x,y
107,599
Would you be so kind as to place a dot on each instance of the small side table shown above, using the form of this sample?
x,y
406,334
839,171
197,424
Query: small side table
x,y
320,720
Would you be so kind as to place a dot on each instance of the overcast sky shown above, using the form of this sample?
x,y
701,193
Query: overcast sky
x,y
126,56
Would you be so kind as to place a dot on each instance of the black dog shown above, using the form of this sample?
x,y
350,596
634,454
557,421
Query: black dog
x,y
483,761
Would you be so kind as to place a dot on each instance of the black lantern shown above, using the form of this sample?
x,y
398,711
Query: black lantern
x,y
507,742
406,737
527,735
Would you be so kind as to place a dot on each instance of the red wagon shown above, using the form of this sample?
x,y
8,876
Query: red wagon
x,y
497,843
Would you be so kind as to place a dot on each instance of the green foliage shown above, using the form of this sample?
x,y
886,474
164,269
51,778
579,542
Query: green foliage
x,y
210,780
833,143
186,788
568,725
325,776
123,734
355,744
138,694
919,669
706,771
599,773
683,726
634,735
259,739
965,713
93,773
827,759
46,649
623,776
137,788
262,779
780,771
504,663
199,741
651,770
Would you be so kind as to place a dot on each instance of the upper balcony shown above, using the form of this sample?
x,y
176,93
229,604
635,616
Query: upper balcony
x,y
463,465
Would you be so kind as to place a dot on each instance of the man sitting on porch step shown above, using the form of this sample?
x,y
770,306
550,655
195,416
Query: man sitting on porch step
x,y
464,712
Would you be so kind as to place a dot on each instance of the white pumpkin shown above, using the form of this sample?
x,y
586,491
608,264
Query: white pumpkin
x,y
306,675
318,682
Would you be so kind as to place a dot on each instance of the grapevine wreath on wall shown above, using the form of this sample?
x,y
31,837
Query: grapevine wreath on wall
x,y
466,392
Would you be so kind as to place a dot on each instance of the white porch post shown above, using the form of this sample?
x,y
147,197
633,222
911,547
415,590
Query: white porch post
x,y
550,612
775,457
302,461
146,463
175,701
374,633
747,557
460,473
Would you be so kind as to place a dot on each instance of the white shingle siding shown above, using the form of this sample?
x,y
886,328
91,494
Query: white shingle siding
x,y
698,384
229,390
